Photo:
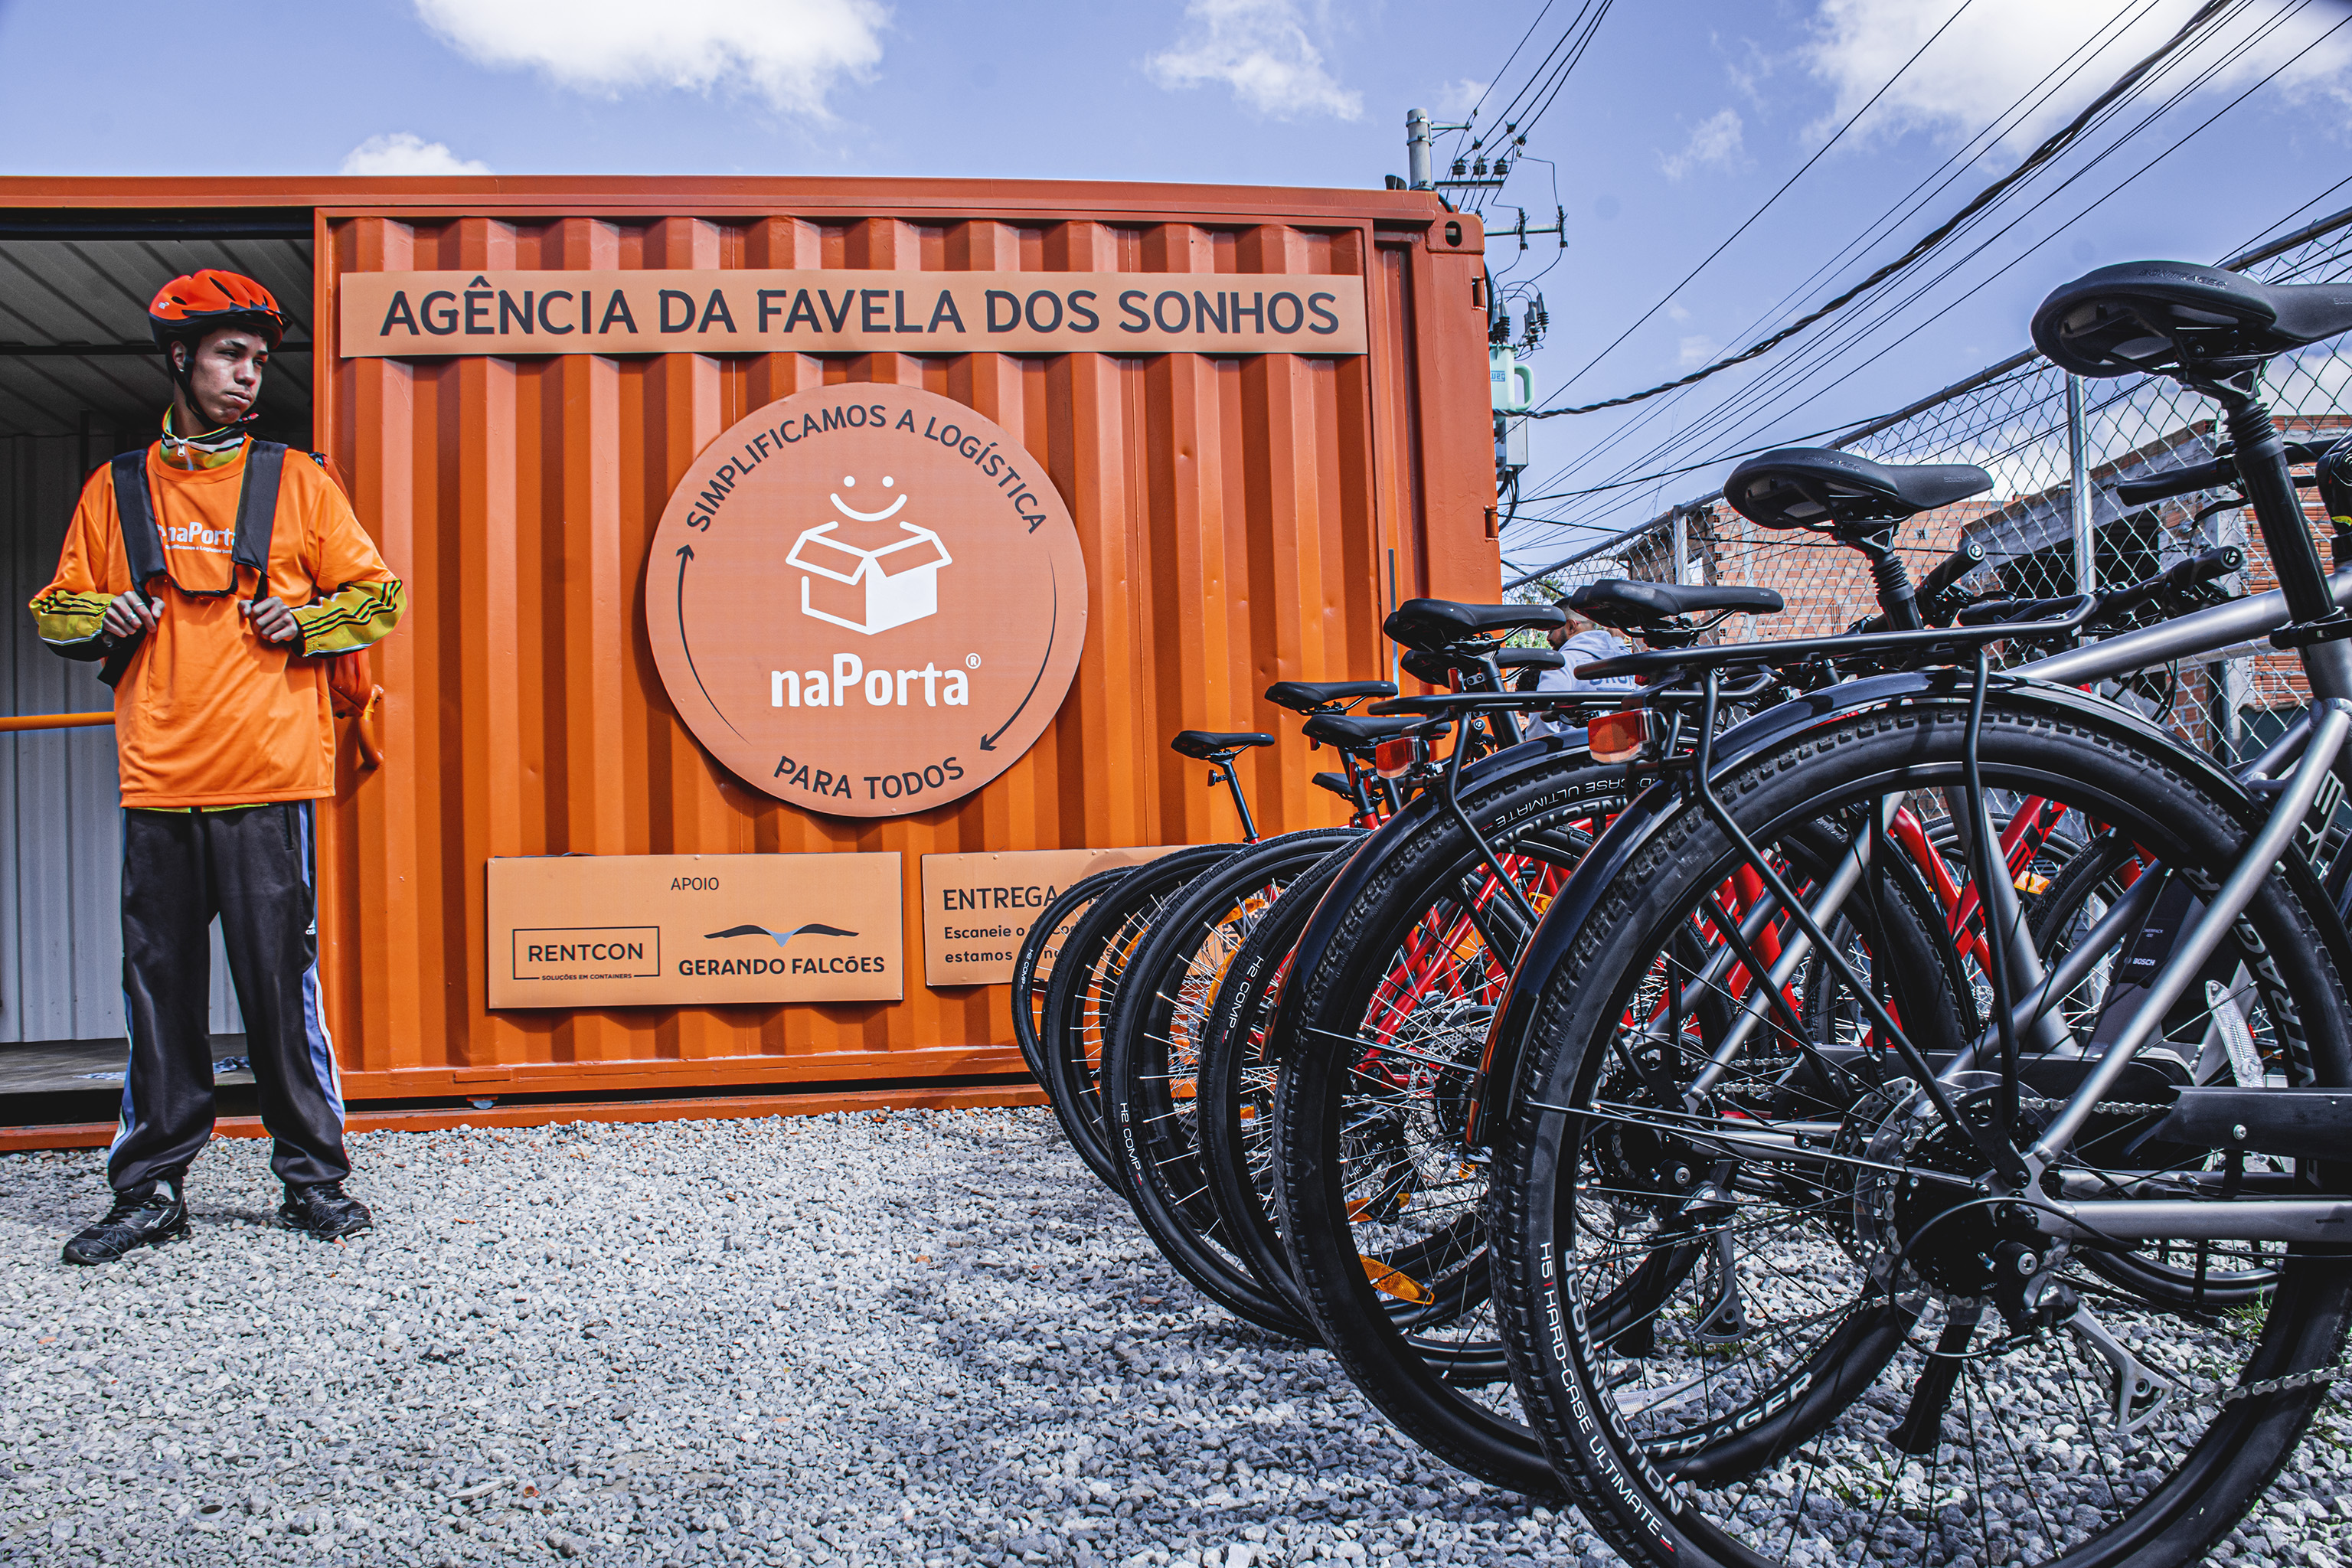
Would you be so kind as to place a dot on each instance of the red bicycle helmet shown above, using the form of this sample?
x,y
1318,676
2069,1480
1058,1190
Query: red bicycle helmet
x,y
191,306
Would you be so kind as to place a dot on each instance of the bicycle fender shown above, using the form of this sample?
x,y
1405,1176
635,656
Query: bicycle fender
x,y
1380,847
1650,813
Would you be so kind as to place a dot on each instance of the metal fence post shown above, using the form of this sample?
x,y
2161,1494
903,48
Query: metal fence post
x,y
1681,545
2078,451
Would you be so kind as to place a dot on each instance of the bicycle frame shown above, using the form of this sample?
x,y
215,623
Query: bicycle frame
x,y
2025,995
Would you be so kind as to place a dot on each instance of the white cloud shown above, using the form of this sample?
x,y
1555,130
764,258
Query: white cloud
x,y
406,153
1452,100
790,52
1676,313
1999,50
1260,49
1691,353
1714,142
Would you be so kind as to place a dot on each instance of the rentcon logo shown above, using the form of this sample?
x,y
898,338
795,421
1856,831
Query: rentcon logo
x,y
888,585
855,506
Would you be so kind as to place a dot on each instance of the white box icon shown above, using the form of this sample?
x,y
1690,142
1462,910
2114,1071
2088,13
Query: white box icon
x,y
887,587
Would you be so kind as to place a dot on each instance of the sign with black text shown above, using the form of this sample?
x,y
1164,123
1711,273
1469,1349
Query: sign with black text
x,y
837,311
617,930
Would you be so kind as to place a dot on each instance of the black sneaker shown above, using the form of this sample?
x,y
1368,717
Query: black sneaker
x,y
137,1219
324,1211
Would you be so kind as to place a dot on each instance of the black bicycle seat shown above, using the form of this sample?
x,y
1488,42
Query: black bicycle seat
x,y
2144,316
1637,607
1433,623
1308,696
1530,659
1215,745
1353,734
1816,487
1336,784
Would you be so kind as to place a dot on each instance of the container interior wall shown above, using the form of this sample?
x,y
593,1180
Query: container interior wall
x,y
60,797
1237,517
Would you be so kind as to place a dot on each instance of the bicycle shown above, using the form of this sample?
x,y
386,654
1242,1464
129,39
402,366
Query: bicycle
x,y
1907,1272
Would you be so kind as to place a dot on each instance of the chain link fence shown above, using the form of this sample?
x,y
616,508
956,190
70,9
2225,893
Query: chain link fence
x,y
2022,423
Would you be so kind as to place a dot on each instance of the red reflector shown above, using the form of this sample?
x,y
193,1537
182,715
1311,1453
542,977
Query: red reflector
x,y
1617,737
1391,758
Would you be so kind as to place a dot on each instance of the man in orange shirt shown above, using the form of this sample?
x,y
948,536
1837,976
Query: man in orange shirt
x,y
216,574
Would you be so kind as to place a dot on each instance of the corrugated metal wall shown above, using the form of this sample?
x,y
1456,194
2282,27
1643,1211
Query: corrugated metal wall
x,y
1237,517
60,798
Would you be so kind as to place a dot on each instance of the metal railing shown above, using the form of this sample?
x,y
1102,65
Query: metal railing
x,y
2055,445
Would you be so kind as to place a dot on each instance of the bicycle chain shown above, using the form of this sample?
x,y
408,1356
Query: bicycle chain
x,y
2269,1386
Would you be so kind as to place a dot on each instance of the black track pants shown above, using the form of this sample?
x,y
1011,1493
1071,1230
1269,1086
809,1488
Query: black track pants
x,y
254,867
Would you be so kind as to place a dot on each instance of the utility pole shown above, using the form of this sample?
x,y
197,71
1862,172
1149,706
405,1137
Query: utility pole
x,y
1419,167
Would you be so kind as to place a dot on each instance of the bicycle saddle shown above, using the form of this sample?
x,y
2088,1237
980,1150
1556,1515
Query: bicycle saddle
x,y
1512,658
1815,486
1311,696
1635,607
1439,669
2145,316
1354,734
1429,625
1215,745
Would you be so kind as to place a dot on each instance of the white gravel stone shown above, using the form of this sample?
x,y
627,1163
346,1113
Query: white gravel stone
x,y
927,1337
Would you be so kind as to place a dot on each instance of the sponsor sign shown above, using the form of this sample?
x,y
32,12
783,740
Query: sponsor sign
x,y
835,311
617,930
866,600
977,909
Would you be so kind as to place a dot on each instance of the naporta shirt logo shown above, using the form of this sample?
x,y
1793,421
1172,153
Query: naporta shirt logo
x,y
866,600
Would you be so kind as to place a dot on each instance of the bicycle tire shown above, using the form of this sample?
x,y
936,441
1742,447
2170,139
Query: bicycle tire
x,y
1032,964
1238,1081
1085,986
1149,1086
1425,1379
1810,1481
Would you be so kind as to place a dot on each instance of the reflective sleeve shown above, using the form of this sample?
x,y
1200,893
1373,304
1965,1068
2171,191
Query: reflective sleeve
x,y
69,612
366,601
352,617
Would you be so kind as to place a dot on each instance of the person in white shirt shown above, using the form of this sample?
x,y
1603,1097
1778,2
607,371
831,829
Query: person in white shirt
x,y
1583,642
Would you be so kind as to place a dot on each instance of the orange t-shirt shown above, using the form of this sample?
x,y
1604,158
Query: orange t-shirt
x,y
209,713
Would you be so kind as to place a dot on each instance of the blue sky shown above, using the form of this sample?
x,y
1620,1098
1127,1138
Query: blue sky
x,y
1681,119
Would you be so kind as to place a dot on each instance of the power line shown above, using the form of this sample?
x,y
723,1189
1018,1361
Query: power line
x,y
1749,397
2245,256
1904,206
1823,354
1750,222
2057,142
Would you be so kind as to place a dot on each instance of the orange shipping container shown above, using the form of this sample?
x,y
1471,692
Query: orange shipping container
x,y
1246,510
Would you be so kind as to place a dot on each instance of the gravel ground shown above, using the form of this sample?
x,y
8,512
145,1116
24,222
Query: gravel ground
x,y
929,1337
924,1338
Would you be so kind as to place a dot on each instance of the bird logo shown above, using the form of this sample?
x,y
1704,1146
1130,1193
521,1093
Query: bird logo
x,y
779,937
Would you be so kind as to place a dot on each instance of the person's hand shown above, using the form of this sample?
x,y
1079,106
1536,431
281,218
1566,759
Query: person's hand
x,y
271,618
131,613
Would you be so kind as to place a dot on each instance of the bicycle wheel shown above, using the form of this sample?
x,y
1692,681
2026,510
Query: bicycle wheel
x,y
1085,985
1149,1086
1914,1376
1380,1034
1238,1081
2219,1035
1032,965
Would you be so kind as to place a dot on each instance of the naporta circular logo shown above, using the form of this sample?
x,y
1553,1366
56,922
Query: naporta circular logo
x,y
866,600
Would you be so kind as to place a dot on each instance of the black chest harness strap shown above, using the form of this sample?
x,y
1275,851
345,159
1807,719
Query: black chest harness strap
x,y
142,535
257,511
